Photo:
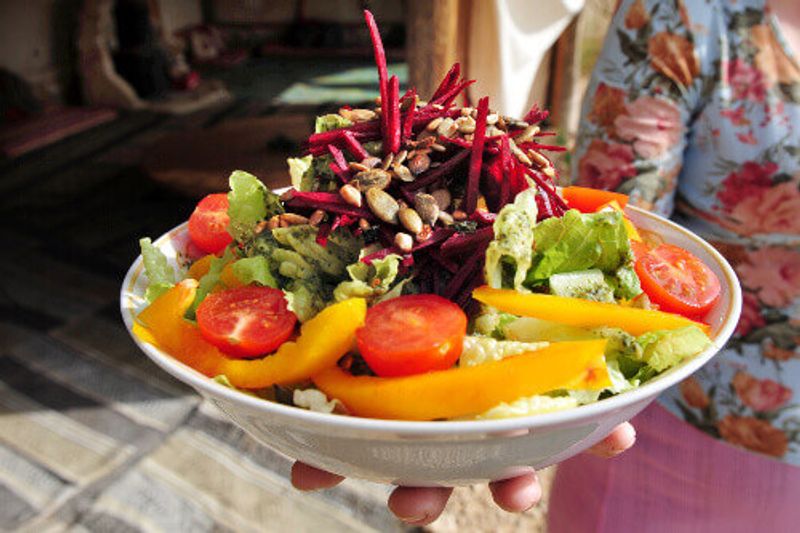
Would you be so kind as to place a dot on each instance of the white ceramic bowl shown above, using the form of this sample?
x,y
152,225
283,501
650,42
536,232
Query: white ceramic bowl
x,y
439,453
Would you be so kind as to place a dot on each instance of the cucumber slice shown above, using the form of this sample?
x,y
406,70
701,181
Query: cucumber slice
x,y
586,284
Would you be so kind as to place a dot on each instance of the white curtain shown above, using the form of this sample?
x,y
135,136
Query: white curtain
x,y
507,42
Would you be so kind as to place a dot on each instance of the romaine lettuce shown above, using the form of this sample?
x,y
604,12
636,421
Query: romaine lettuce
x,y
371,281
330,122
512,245
301,171
247,205
160,276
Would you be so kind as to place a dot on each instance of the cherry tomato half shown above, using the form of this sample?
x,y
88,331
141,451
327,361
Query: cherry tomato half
x,y
676,279
245,321
412,335
208,225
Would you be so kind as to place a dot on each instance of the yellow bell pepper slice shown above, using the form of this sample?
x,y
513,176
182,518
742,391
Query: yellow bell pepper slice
x,y
322,341
464,391
200,267
582,313
630,229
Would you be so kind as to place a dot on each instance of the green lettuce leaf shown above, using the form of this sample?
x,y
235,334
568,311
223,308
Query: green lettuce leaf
x,y
664,349
370,281
247,205
160,276
508,256
330,122
301,171
254,270
478,350
210,280
578,241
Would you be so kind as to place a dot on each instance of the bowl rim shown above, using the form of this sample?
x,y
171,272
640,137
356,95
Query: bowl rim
x,y
209,387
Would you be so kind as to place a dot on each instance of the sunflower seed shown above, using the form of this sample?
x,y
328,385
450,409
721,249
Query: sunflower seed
x,y
527,134
384,206
419,164
467,111
491,119
387,161
410,219
434,124
316,217
519,154
436,147
402,173
442,197
446,218
404,241
357,115
371,179
400,157
350,194
538,158
357,167
364,224
273,222
424,136
447,128
371,161
459,215
427,207
465,124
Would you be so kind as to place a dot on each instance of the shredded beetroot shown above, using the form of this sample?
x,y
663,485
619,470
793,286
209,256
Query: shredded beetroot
x,y
476,157
448,81
323,232
408,120
435,174
380,63
339,164
507,166
469,269
447,98
355,148
447,264
342,221
536,115
547,188
393,107
463,243
326,201
483,218
531,145
380,254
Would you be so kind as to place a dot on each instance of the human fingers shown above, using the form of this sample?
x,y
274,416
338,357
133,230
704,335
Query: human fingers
x,y
419,506
517,494
620,439
306,477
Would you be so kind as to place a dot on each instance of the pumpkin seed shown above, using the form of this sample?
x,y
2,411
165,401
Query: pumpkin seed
x,y
383,205
402,172
371,179
410,220
442,197
427,207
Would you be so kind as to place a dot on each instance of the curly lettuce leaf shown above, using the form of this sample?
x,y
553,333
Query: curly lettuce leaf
x,y
578,241
369,281
478,350
247,204
527,406
207,283
330,122
160,276
254,270
301,171
664,349
512,245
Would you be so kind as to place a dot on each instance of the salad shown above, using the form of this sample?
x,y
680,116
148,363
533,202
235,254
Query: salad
x,y
424,266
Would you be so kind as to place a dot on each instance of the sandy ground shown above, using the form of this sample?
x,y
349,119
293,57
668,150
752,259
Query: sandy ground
x,y
472,509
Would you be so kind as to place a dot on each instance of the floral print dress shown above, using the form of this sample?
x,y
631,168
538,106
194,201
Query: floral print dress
x,y
694,111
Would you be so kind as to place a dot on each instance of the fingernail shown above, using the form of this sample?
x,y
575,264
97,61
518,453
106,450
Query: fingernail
x,y
414,520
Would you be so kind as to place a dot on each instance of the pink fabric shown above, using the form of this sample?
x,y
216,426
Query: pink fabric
x,y
675,479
